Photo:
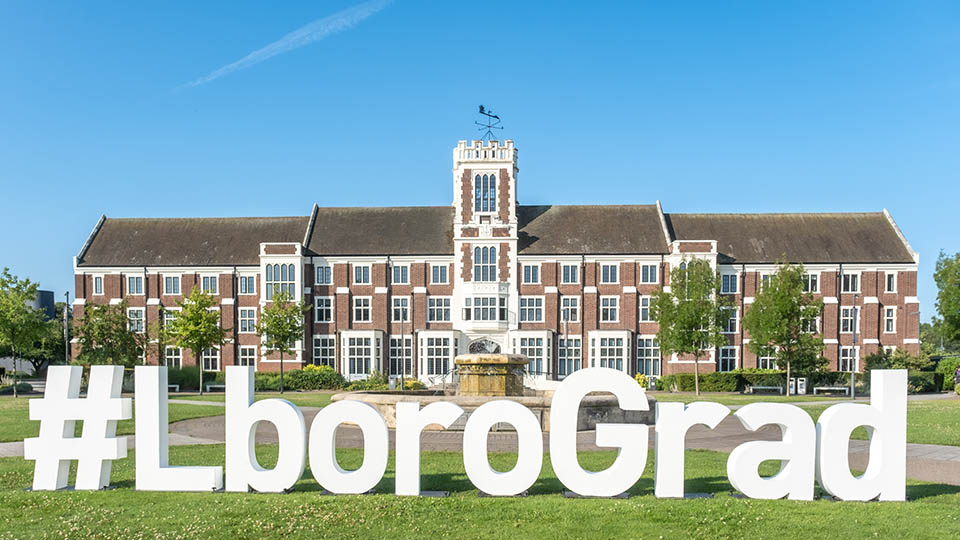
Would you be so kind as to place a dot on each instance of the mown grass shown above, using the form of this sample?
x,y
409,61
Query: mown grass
x,y
928,422
727,398
15,423
301,399
933,511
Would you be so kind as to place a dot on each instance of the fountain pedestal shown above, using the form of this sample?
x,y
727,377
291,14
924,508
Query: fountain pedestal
x,y
491,374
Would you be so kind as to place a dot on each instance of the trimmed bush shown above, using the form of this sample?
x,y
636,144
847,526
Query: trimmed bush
x,y
642,380
924,381
376,381
22,388
413,384
188,377
957,389
947,367
313,377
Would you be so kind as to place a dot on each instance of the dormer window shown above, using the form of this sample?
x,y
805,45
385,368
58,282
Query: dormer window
x,y
485,193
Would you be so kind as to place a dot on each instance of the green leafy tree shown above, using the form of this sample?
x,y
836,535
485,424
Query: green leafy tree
x,y
781,321
196,327
20,324
898,359
947,276
50,344
104,336
933,339
692,314
281,324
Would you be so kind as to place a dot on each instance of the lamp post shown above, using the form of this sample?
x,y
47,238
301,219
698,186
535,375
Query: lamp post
x,y
856,357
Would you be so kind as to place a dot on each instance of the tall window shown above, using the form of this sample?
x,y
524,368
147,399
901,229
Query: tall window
x,y
361,309
323,309
168,315
209,284
848,319
889,320
849,360
611,353
484,308
485,264
280,277
359,355
648,356
569,354
608,273
401,308
811,283
485,193
439,274
648,273
324,275
210,359
730,322
361,274
571,273
531,273
727,361
172,357
891,282
324,350
401,274
531,309
135,320
171,285
645,309
728,283
438,309
248,356
851,283
134,284
98,284
609,309
401,355
438,355
569,308
533,349
248,285
248,320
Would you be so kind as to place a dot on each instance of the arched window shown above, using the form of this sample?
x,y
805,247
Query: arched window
x,y
476,193
485,193
280,277
493,193
485,264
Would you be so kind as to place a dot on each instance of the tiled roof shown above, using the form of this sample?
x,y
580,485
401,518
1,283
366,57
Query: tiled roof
x,y
565,230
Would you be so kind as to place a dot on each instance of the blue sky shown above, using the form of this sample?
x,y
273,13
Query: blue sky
x,y
707,106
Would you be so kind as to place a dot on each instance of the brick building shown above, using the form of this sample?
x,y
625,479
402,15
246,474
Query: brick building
x,y
409,288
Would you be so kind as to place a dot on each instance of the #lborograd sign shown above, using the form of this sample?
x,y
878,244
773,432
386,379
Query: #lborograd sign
x,y
805,451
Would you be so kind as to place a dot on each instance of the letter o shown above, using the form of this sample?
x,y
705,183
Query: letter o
x,y
529,448
323,447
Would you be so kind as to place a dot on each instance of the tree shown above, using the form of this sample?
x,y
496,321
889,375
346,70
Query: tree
x,y
933,339
20,324
782,321
281,324
947,276
898,359
692,314
196,327
104,336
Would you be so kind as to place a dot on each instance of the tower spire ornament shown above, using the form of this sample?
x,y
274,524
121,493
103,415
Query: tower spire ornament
x,y
489,123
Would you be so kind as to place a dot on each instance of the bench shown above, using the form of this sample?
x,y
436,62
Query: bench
x,y
752,389
221,387
844,389
173,388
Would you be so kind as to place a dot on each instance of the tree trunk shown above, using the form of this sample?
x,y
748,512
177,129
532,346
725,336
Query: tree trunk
x,y
281,372
13,351
199,358
788,377
696,373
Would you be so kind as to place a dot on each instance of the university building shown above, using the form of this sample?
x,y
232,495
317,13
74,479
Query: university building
x,y
406,289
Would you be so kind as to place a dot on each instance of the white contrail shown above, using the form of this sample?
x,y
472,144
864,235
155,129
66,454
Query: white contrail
x,y
315,31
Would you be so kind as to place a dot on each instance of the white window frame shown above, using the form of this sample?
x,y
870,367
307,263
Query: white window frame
x,y
323,274
605,310
844,282
604,279
360,356
441,305
243,280
368,308
174,280
731,279
436,352
648,342
649,273
641,308
854,319
571,311
490,266
575,271
531,271
600,352
208,278
723,361
400,350
735,317
274,283
404,271
770,361
167,357
811,278
139,280
531,306
536,348
322,343
886,282
890,319
841,360
141,324
400,305
366,271
252,357
98,278
569,355
252,322
317,309
442,270
816,325
204,357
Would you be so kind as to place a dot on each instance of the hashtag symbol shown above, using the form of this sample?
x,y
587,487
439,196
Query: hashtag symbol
x,y
58,413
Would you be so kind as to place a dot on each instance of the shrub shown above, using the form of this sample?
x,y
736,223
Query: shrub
x,y
948,366
957,389
313,377
759,377
268,382
22,388
642,380
376,382
709,382
924,381
188,377
413,384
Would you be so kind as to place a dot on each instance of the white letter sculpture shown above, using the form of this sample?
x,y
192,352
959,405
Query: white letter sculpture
x,y
411,420
529,448
886,422
323,447
153,472
58,411
796,453
630,439
673,421
242,417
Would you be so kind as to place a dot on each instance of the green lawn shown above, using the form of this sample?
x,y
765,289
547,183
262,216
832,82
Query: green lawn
x,y
301,399
928,422
15,423
727,398
933,511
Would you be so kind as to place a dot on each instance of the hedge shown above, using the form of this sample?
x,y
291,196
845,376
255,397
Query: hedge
x,y
947,367
22,388
309,378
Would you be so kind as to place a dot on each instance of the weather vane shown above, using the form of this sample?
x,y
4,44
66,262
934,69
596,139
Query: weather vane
x,y
491,123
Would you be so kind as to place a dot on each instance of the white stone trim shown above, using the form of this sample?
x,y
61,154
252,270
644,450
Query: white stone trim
x,y
748,299
228,301
419,290
343,290
911,340
550,290
829,299
871,300
911,300
79,301
153,301
590,290
630,289
830,341
380,290
115,301
871,341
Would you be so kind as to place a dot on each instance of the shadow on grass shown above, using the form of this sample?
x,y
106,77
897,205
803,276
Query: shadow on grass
x,y
922,491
